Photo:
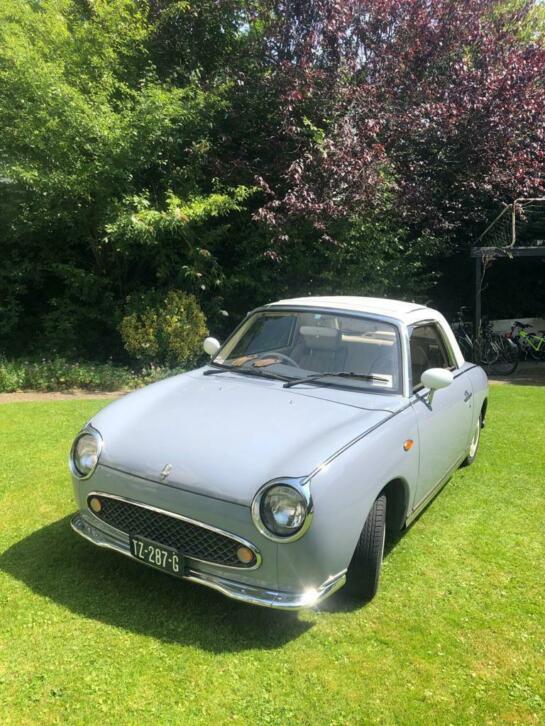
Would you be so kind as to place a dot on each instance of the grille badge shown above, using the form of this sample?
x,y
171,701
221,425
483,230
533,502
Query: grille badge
x,y
165,471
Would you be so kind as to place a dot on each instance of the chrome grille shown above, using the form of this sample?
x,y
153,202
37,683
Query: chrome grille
x,y
192,540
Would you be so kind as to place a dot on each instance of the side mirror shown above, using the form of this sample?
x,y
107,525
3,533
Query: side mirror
x,y
211,346
436,378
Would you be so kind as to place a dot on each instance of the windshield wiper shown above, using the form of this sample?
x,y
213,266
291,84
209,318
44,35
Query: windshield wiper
x,y
246,371
331,374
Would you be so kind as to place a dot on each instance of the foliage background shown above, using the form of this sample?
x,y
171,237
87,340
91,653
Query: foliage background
x,y
244,150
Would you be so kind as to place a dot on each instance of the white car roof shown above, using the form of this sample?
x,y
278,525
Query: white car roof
x,y
406,312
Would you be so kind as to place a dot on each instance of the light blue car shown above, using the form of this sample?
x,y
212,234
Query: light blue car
x,y
275,472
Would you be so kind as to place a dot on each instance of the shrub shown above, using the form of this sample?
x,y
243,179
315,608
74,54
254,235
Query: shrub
x,y
12,376
57,374
166,331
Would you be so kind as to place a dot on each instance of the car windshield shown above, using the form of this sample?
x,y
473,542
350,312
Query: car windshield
x,y
295,345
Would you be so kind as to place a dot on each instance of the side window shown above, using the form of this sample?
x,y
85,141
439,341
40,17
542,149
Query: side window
x,y
427,351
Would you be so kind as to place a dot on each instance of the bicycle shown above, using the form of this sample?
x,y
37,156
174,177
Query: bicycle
x,y
495,352
530,344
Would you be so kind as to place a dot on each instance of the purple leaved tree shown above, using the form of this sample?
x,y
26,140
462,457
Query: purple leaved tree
x,y
436,106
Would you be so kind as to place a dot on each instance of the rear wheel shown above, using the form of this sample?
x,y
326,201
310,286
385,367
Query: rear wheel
x,y
536,354
363,573
474,445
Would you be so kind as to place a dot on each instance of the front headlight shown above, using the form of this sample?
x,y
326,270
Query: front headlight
x,y
281,511
85,453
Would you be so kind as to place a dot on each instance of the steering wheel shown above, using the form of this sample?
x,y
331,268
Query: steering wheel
x,y
274,354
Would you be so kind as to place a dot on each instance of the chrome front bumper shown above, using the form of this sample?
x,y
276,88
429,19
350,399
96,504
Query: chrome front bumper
x,y
236,590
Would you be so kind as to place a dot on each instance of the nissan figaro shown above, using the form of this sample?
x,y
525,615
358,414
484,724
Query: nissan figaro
x,y
275,472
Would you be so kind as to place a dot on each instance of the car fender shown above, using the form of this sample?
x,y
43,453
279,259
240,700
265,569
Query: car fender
x,y
479,384
343,490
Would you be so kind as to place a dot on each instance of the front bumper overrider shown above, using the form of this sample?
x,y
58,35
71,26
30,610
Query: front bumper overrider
x,y
236,590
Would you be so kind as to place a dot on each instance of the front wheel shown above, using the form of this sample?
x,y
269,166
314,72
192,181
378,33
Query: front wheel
x,y
363,573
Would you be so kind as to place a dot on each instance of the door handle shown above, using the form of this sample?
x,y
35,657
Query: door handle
x,y
467,396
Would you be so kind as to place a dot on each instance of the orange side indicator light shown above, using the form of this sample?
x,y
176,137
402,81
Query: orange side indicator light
x,y
408,445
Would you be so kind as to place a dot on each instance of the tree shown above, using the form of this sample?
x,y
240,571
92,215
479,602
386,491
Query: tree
x,y
438,103
92,138
244,150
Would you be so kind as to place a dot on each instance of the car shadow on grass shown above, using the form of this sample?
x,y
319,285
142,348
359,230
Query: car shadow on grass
x,y
110,588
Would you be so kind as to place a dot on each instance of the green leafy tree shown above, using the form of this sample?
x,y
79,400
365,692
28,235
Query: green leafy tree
x,y
96,155
243,150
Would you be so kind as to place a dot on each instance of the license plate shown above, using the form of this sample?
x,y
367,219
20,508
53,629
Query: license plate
x,y
157,555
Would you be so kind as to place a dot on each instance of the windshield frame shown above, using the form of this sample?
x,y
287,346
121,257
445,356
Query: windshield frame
x,y
330,382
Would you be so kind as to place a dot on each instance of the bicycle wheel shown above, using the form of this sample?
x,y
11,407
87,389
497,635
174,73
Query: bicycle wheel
x,y
488,352
534,354
507,359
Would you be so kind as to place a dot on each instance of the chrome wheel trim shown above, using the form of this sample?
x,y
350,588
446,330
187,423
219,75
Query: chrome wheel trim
x,y
475,440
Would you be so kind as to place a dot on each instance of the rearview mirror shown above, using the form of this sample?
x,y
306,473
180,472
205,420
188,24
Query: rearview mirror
x,y
211,346
436,378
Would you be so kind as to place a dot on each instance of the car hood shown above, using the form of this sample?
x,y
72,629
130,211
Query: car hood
x,y
226,435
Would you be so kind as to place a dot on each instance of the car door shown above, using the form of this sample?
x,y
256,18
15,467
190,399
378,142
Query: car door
x,y
445,423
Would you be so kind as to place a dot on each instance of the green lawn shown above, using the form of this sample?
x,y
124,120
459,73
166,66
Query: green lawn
x,y
456,634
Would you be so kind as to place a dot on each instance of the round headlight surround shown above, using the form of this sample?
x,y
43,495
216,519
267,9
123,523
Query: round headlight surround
x,y
262,498
91,435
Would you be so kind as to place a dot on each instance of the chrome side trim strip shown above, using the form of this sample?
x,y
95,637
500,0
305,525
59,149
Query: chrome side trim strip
x,y
466,370
359,437
182,518
235,590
